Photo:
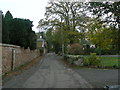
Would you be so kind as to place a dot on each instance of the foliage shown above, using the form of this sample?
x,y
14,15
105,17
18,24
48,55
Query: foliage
x,y
59,53
110,61
99,51
72,58
109,8
91,60
49,40
75,49
98,34
18,32
69,23
112,12
62,21
8,15
41,50
87,50
32,40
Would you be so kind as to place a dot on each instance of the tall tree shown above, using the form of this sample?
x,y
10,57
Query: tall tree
x,y
18,32
111,12
8,15
66,20
99,35
6,27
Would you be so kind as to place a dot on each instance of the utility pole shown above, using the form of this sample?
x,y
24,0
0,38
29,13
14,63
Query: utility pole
x,y
62,38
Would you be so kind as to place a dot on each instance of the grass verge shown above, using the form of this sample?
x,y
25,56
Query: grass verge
x,y
106,63
110,61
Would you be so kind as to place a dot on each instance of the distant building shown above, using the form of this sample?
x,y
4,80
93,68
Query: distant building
x,y
92,46
40,42
86,43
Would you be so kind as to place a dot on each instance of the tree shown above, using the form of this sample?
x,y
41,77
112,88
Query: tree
x,y
100,35
70,13
49,39
112,9
6,27
18,32
112,12
66,20
32,40
8,15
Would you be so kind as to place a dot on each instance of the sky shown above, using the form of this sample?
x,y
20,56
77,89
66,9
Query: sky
x,y
26,9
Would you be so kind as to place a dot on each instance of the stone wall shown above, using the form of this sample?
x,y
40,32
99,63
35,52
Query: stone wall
x,y
15,56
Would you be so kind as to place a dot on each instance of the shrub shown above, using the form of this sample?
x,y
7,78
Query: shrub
x,y
41,50
91,60
72,58
86,61
59,53
75,49
97,51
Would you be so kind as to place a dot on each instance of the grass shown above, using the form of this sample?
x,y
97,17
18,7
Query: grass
x,y
110,61
106,62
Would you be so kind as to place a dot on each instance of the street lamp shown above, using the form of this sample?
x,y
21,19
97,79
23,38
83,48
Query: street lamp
x,y
62,38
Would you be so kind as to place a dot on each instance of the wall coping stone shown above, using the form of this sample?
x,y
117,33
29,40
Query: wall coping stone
x,y
9,45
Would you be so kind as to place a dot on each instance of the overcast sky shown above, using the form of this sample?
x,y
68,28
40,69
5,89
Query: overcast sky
x,y
27,9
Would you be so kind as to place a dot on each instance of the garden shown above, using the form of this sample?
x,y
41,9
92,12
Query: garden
x,y
75,56
82,34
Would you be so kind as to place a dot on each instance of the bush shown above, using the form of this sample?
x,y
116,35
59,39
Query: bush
x,y
86,49
59,53
41,50
91,60
97,51
72,58
86,61
75,49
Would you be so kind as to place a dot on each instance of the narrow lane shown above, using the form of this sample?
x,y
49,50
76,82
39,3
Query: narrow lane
x,y
50,72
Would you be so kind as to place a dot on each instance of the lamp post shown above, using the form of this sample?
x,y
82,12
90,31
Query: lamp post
x,y
62,38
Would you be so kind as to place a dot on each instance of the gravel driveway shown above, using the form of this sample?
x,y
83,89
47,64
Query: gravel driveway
x,y
50,72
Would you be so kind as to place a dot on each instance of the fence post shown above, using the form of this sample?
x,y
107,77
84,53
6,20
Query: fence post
x,y
13,59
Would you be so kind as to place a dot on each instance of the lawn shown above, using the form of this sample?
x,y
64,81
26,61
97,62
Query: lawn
x,y
110,61
105,61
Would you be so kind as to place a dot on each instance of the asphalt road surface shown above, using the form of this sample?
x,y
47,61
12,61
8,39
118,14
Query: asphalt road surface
x,y
50,72
99,77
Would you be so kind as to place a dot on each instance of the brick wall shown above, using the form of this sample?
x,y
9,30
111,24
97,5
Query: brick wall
x,y
17,58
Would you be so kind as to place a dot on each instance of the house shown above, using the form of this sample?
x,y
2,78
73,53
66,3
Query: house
x,y
41,44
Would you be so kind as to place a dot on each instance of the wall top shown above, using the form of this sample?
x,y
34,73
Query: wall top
x,y
9,45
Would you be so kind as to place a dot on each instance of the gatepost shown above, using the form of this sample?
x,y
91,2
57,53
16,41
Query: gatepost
x,y
13,59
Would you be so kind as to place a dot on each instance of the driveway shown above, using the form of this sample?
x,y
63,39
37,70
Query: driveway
x,y
99,77
50,72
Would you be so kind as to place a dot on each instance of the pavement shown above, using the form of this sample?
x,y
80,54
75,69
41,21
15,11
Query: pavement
x,y
99,78
50,72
